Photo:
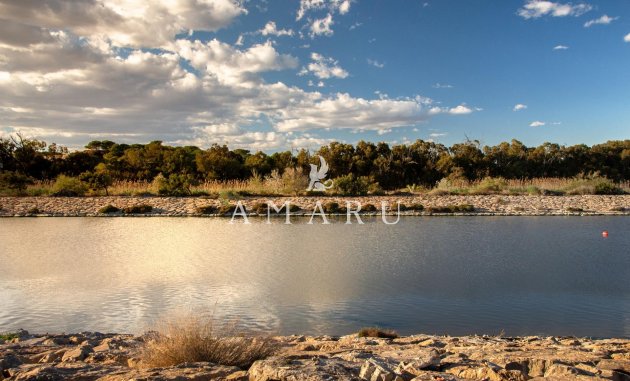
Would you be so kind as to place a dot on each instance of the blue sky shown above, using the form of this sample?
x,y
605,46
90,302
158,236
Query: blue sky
x,y
278,74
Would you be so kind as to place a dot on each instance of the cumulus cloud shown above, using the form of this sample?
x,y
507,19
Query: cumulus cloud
x,y
539,8
65,78
560,47
321,27
125,22
442,86
627,37
340,6
519,107
537,123
324,67
270,29
604,20
460,110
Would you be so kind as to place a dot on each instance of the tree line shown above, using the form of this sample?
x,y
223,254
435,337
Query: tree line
x,y
392,167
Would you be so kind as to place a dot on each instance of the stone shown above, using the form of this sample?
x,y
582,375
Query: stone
x,y
77,354
378,370
416,366
288,369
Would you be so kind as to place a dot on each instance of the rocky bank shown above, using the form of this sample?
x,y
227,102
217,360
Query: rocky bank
x,y
95,356
189,206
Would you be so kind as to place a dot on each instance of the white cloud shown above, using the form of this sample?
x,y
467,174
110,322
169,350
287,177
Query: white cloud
x,y
537,123
560,47
339,6
540,8
125,22
442,86
460,110
627,38
375,63
72,85
270,29
322,27
324,67
519,107
604,20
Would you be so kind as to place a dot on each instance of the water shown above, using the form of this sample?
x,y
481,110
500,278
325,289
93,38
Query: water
x,y
453,275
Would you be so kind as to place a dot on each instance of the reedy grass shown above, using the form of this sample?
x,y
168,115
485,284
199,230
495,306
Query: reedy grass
x,y
296,183
192,338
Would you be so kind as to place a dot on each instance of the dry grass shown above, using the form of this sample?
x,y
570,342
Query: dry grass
x,y
377,332
293,183
196,339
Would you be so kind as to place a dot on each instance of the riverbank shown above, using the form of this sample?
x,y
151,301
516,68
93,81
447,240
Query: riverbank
x,y
190,206
96,356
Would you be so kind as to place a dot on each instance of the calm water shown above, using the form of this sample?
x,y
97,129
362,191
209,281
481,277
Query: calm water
x,y
455,275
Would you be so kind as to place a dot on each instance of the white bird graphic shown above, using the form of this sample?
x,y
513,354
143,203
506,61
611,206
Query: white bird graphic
x,y
317,176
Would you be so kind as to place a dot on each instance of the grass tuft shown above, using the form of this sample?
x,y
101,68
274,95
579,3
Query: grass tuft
x,y
195,339
377,332
138,209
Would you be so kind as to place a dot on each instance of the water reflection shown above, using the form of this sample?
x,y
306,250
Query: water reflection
x,y
454,275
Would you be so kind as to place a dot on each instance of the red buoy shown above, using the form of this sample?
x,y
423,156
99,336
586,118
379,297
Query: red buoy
x,y
605,234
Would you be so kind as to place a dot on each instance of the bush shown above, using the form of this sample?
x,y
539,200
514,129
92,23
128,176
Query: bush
x,y
490,185
66,186
138,209
607,187
193,339
377,332
574,209
34,210
177,185
14,182
261,208
415,207
227,209
109,209
463,208
208,209
350,185
369,208
333,207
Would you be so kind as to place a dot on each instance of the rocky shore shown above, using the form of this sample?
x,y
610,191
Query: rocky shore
x,y
95,356
189,206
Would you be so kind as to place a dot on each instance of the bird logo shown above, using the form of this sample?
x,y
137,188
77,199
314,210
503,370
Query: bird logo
x,y
317,176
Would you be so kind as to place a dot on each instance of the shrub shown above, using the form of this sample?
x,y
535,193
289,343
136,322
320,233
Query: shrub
x,y
138,209
350,185
604,186
261,208
66,186
463,208
369,208
377,332
415,207
207,209
34,210
227,209
14,182
177,185
333,207
97,180
490,185
193,339
109,209
574,209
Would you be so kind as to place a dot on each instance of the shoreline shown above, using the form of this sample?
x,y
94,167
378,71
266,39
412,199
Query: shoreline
x,y
97,356
484,205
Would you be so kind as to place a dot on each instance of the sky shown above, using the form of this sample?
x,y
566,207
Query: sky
x,y
283,74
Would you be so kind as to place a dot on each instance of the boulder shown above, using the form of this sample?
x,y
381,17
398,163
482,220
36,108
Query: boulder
x,y
292,369
378,370
77,354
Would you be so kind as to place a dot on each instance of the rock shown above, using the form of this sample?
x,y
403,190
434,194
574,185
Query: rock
x,y
416,366
561,370
376,370
435,376
10,360
288,369
614,364
620,375
77,354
